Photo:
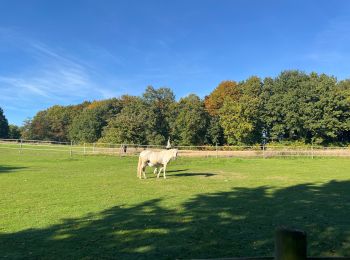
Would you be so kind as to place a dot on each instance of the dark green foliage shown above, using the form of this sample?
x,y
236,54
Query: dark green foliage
x,y
155,117
59,119
14,132
310,108
159,103
293,107
88,125
190,125
52,123
129,125
81,123
215,132
4,126
342,90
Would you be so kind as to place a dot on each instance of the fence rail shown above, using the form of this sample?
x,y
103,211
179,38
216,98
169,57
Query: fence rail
x,y
188,151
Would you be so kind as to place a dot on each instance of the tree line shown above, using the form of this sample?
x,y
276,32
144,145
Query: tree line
x,y
292,107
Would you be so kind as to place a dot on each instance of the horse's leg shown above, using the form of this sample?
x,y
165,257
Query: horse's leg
x,y
159,172
143,168
139,174
139,167
144,172
155,170
164,171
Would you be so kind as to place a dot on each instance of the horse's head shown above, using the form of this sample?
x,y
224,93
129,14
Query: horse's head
x,y
174,153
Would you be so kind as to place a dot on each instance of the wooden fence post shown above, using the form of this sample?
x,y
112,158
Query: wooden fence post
x,y
264,156
21,146
290,244
70,150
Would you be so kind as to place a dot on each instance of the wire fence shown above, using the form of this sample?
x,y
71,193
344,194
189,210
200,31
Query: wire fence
x,y
265,151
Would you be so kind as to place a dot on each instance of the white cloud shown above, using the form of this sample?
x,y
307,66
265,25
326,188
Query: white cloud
x,y
46,76
54,77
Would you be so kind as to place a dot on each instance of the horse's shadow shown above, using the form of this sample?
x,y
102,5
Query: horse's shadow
x,y
182,170
191,174
10,169
185,174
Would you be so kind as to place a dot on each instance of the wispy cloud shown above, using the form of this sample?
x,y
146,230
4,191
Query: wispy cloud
x,y
45,74
50,76
55,75
16,86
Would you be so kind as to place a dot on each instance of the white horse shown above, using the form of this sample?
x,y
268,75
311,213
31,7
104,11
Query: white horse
x,y
155,159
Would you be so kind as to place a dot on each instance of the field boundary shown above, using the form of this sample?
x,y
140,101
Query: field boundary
x,y
187,151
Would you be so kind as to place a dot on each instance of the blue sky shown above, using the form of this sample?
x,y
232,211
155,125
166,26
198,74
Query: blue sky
x,y
65,52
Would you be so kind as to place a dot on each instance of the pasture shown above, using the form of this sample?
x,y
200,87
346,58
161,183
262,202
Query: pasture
x,y
54,206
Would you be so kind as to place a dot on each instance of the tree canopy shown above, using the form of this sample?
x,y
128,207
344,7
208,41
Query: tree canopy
x,y
4,126
294,106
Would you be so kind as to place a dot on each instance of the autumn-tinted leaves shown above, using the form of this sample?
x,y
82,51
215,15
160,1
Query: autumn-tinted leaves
x,y
294,106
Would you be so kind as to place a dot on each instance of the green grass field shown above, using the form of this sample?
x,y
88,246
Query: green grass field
x,y
53,206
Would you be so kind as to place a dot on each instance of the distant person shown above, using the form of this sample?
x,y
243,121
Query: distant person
x,y
124,148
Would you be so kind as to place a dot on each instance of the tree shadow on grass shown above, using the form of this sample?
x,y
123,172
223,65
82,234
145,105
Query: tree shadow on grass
x,y
10,169
239,222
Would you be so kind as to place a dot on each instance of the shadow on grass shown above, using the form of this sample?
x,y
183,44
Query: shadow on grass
x,y
190,174
9,169
169,174
181,170
239,222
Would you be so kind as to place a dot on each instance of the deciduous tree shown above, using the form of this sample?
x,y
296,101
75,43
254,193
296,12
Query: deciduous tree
x,y
216,99
14,132
129,125
4,126
191,122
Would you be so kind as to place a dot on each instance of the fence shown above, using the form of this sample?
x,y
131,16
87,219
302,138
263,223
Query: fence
x,y
188,151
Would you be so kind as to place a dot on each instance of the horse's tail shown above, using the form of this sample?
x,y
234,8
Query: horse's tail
x,y
139,168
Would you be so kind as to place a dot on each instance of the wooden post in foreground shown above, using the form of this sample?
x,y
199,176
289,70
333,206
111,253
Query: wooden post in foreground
x,y
290,244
